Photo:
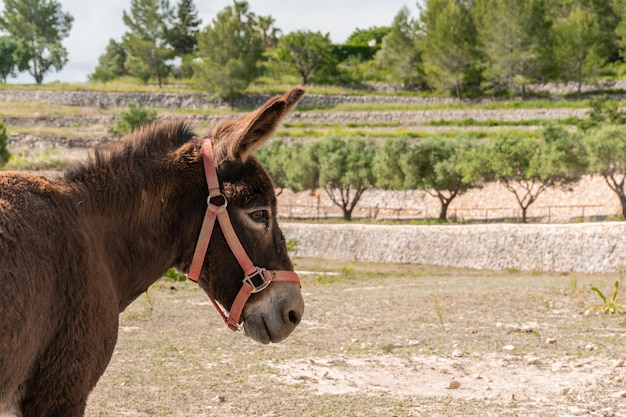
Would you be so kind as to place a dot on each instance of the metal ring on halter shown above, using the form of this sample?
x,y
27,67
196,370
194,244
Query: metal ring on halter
x,y
224,204
257,280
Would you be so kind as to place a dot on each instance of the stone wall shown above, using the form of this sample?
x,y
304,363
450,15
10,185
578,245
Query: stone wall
x,y
175,100
180,100
585,247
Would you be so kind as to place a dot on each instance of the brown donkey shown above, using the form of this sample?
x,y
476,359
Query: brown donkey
x,y
76,251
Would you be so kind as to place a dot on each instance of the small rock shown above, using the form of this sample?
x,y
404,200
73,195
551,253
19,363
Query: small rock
x,y
551,340
508,347
454,385
621,394
220,399
619,363
591,346
413,342
478,376
566,391
532,360
458,353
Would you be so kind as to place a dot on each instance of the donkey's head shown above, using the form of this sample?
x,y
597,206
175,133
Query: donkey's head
x,y
272,314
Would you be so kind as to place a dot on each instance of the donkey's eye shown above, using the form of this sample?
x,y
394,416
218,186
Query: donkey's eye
x,y
260,216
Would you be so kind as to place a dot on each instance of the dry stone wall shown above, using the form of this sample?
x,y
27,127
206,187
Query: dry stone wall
x,y
584,247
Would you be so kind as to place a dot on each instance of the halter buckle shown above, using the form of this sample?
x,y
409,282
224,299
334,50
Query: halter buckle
x,y
257,280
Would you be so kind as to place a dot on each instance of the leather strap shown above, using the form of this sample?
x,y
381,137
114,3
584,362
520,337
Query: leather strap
x,y
255,279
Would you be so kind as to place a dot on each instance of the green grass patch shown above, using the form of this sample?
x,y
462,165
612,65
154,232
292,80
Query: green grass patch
x,y
45,160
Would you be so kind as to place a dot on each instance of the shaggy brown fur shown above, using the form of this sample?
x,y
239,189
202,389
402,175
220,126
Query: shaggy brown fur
x,y
78,250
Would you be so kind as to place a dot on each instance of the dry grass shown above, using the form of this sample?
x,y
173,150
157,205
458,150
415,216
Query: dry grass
x,y
372,343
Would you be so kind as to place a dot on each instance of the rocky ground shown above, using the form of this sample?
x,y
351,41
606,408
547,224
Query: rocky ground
x,y
378,340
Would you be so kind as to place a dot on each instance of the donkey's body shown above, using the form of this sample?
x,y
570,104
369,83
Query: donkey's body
x,y
78,250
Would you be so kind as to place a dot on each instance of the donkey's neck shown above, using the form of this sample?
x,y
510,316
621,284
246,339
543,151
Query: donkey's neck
x,y
143,224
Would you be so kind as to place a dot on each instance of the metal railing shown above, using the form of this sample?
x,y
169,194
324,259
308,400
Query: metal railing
x,y
537,214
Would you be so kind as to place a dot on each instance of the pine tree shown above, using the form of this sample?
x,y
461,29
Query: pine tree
x,y
111,64
230,50
578,51
450,49
400,54
146,42
512,36
182,36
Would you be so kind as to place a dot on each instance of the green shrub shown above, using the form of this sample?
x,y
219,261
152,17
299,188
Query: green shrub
x,y
4,152
133,118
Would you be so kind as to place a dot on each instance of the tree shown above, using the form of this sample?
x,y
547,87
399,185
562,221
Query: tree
x,y
603,112
308,53
4,152
514,165
275,157
111,64
42,25
146,41
400,53
609,13
14,55
342,167
527,166
578,41
372,37
607,156
386,163
434,165
514,38
345,170
450,46
230,51
182,35
269,33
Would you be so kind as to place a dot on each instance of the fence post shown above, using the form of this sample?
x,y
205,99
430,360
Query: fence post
x,y
549,214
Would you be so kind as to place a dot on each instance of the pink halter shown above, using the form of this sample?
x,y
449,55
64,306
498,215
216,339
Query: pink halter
x,y
255,279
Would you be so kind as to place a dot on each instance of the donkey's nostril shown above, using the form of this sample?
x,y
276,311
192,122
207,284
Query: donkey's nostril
x,y
294,318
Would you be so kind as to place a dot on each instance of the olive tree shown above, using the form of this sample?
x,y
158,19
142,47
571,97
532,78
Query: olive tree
x,y
436,166
527,166
607,156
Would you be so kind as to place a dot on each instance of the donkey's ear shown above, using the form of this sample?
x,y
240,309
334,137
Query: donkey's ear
x,y
249,132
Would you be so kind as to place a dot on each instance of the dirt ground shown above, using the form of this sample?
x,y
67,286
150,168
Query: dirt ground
x,y
378,340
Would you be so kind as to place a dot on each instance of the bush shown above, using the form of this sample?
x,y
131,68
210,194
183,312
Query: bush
x,y
4,152
133,118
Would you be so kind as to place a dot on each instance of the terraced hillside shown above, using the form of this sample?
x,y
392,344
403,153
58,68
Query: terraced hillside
x,y
48,129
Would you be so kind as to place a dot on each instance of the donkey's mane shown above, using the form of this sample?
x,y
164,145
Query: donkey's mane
x,y
147,145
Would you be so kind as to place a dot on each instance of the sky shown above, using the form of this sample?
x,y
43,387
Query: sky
x,y
95,22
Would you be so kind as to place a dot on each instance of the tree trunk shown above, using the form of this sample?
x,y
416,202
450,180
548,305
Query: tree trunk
x,y
347,214
524,218
443,213
457,87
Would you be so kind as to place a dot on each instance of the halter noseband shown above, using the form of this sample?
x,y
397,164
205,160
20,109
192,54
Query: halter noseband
x,y
255,279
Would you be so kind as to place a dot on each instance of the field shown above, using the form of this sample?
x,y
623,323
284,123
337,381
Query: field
x,y
378,340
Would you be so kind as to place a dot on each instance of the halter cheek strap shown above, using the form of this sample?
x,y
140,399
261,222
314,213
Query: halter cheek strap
x,y
255,279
